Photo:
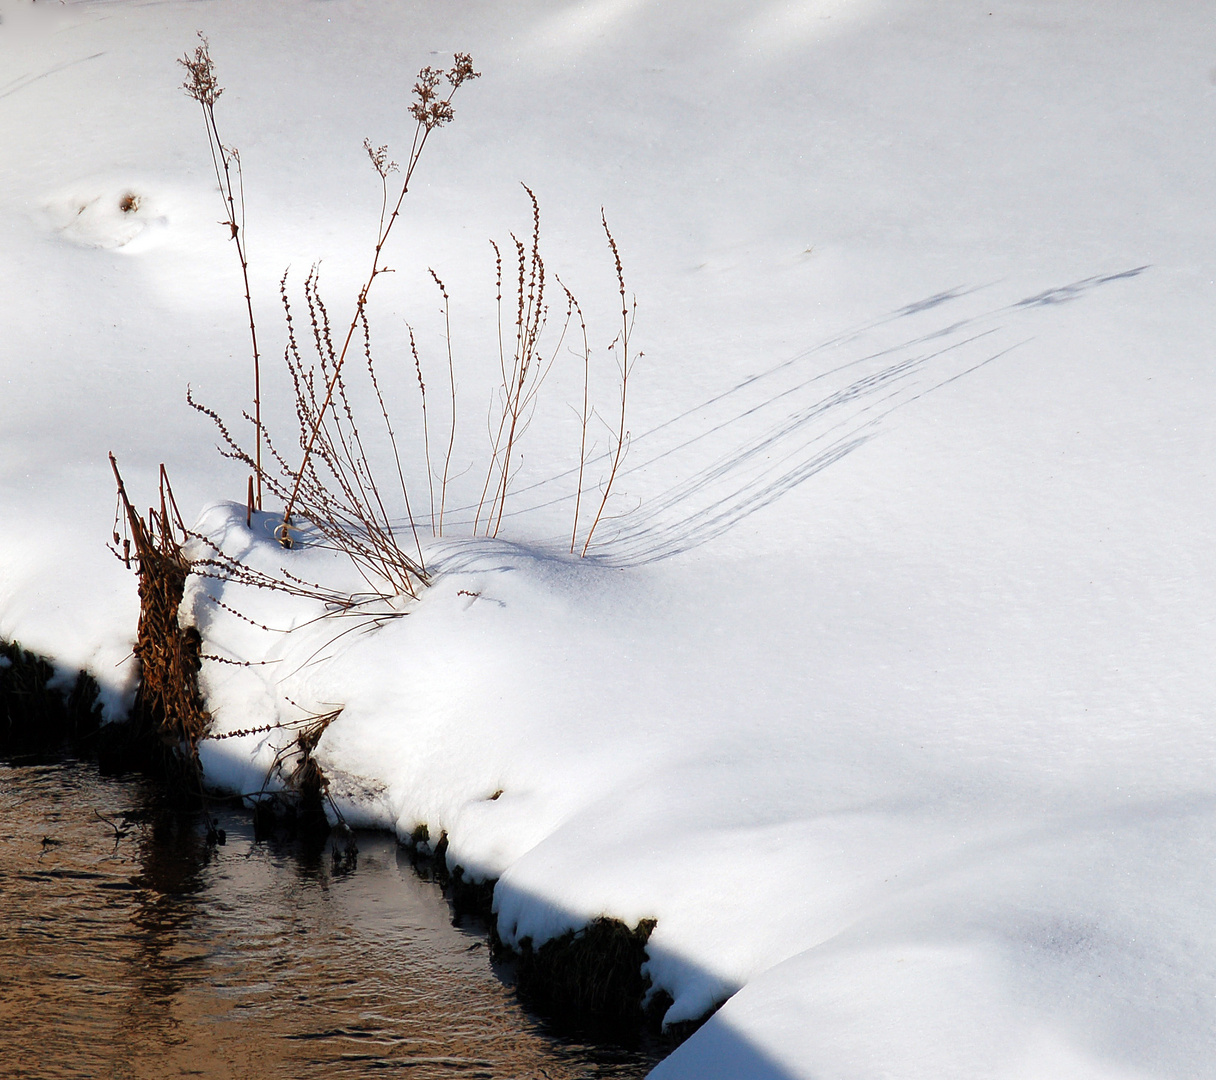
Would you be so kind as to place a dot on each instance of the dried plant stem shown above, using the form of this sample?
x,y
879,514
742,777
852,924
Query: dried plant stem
x,y
586,414
430,111
201,85
621,436
447,458
515,388
528,368
426,436
388,424
495,436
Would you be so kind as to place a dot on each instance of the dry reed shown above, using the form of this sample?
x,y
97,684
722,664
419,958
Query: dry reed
x,y
202,85
334,488
625,362
430,111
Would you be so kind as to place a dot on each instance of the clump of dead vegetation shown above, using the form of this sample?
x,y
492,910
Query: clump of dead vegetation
x,y
332,484
168,704
345,472
333,488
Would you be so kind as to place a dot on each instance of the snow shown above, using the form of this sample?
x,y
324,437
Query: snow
x,y
887,690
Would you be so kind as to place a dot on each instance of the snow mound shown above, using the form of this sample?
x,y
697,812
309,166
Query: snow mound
x,y
125,217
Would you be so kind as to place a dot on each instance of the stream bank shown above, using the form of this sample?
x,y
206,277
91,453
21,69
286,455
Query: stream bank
x,y
133,947
583,990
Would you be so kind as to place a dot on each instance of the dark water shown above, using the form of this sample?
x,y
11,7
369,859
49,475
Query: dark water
x,y
129,948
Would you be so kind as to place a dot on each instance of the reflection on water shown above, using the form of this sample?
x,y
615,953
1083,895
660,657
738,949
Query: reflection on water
x,y
128,948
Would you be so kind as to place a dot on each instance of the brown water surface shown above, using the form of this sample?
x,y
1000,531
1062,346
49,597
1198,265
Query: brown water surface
x,y
129,948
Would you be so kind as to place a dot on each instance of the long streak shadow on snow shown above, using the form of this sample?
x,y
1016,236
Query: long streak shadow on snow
x,y
22,81
786,456
748,445
727,395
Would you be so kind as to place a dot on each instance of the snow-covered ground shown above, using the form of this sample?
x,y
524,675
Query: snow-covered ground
x,y
888,690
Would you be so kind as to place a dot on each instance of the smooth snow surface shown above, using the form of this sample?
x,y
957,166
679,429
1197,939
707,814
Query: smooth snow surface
x,y
888,688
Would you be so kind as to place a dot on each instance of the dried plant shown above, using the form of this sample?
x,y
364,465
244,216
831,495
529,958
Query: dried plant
x,y
523,376
426,435
168,703
584,416
338,493
430,111
202,85
447,457
334,488
625,360
526,369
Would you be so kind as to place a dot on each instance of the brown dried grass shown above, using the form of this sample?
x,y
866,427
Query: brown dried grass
x,y
168,702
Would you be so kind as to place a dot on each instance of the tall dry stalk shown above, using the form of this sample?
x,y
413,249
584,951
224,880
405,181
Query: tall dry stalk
x,y
522,380
620,437
585,416
447,457
426,435
202,85
430,111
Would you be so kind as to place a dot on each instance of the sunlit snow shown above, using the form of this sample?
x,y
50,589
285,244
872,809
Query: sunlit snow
x,y
887,687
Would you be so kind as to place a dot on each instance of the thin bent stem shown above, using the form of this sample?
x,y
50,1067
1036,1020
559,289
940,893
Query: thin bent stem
x,y
621,435
582,448
429,112
426,436
447,458
222,158
496,439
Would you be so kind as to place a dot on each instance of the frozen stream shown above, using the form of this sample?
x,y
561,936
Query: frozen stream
x,y
129,949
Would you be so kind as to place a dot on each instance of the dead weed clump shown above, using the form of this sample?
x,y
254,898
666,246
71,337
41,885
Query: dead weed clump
x,y
168,703
334,488
299,804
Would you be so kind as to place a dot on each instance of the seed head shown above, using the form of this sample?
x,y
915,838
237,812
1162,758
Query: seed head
x,y
431,110
462,70
379,158
201,83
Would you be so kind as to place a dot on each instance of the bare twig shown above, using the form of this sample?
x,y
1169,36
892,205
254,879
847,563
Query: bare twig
x,y
586,413
429,111
625,361
426,435
201,84
447,457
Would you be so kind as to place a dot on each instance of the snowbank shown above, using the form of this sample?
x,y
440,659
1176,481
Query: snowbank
x,y
887,692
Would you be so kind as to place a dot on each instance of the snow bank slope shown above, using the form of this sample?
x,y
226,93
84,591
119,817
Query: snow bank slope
x,y
888,693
